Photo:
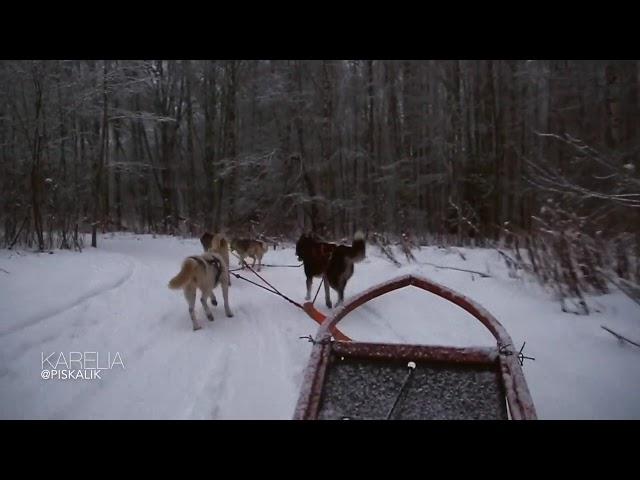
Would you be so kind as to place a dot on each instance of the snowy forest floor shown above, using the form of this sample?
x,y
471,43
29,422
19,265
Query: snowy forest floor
x,y
115,299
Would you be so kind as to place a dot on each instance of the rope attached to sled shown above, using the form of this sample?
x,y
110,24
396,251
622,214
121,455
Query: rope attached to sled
x,y
411,366
307,307
287,266
272,290
318,291
504,349
310,339
268,265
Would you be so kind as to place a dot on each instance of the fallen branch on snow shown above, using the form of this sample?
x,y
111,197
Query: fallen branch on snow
x,y
622,285
482,274
620,337
379,241
405,246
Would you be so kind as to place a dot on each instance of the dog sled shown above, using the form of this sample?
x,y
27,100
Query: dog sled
x,y
357,380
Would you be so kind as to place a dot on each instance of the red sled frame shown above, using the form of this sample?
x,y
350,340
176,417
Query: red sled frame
x,y
517,394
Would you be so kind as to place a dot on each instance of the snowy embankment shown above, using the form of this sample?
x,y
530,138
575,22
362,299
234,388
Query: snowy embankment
x,y
115,300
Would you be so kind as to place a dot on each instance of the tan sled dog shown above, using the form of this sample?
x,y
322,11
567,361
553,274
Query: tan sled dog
x,y
219,244
204,272
249,248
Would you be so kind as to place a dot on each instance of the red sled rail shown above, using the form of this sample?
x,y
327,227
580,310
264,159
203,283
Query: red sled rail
x,y
331,358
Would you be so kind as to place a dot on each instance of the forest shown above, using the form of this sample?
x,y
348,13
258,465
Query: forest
x,y
536,158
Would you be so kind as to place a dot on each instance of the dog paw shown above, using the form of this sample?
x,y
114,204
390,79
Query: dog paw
x,y
214,302
210,317
229,314
196,327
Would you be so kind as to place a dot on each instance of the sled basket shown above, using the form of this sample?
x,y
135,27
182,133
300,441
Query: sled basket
x,y
347,380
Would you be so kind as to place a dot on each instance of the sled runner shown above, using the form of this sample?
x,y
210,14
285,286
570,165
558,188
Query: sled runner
x,y
356,380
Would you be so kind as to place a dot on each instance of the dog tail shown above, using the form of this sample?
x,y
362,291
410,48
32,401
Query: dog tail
x,y
183,277
358,247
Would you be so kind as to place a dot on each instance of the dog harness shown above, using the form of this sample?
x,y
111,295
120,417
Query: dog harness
x,y
213,261
323,251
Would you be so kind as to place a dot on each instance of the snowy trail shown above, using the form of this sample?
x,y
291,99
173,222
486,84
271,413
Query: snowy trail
x,y
215,373
115,299
68,305
101,286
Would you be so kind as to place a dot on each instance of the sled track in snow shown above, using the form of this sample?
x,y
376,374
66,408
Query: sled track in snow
x,y
68,306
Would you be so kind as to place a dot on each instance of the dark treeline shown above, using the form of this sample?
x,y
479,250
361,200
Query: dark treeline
x,y
449,151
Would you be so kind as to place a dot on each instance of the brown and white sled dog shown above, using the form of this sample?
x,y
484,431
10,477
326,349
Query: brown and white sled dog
x,y
249,248
332,262
204,272
219,244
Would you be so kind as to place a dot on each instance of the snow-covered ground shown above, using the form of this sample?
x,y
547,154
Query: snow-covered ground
x,y
115,301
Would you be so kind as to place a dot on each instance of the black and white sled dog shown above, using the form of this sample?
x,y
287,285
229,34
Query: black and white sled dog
x,y
334,263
